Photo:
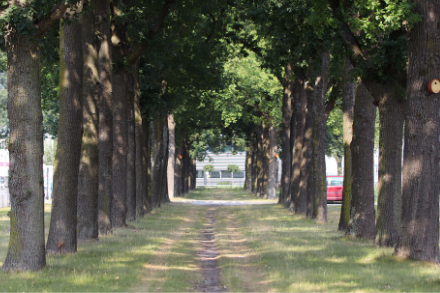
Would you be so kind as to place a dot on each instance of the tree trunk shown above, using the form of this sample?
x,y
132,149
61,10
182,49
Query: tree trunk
x,y
292,150
178,173
303,197
299,199
146,164
266,160
273,151
349,93
171,155
63,224
185,167
120,146
420,195
131,153
249,171
105,137
164,198
88,181
26,245
254,164
318,141
362,212
287,115
139,162
389,204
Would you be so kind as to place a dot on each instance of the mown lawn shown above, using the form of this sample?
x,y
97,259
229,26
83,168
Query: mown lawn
x,y
155,253
262,248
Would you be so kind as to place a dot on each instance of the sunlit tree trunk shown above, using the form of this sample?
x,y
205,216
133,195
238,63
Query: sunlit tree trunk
x,y
26,249
318,141
362,212
287,115
420,194
139,164
298,198
63,225
273,151
120,146
88,182
349,93
389,203
105,134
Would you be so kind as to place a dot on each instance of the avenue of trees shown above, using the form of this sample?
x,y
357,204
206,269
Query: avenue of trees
x,y
135,92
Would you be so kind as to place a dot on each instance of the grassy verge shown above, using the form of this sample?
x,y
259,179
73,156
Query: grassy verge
x,y
153,254
221,194
274,251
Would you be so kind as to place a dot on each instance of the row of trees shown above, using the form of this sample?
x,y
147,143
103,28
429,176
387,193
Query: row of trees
x,y
146,88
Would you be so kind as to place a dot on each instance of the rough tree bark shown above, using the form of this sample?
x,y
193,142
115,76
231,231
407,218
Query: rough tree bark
x,y
389,204
139,164
185,166
420,193
26,245
303,197
273,151
349,93
146,163
362,212
287,115
120,146
88,182
158,158
131,153
299,199
105,134
318,141
26,249
178,173
266,155
62,232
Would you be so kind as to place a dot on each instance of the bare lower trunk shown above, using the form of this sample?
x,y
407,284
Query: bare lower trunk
x,y
266,154
185,166
391,115
298,198
273,151
63,224
349,93
420,194
139,162
131,155
88,181
171,155
120,146
303,197
158,157
318,141
362,212
178,173
26,249
287,115
105,137
146,163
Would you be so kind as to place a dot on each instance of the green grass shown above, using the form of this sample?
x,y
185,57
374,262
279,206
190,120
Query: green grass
x,y
292,253
120,262
221,194
262,248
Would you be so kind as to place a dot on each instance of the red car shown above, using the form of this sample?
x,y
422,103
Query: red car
x,y
334,187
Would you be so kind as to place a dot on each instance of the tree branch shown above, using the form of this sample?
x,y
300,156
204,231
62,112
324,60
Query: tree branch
x,y
163,13
47,23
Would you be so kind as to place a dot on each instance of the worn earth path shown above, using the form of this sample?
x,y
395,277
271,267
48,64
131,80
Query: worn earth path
x,y
219,254
209,253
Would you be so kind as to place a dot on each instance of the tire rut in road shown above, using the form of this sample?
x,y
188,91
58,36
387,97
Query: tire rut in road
x,y
208,257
